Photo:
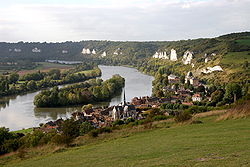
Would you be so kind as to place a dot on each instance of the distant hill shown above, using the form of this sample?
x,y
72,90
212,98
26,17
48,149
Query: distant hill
x,y
231,52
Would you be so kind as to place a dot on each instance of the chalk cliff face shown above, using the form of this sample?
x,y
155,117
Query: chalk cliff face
x,y
87,51
118,51
164,55
104,54
161,55
93,52
187,57
173,55
211,69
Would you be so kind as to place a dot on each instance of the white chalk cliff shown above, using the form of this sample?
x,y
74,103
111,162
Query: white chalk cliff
x,y
187,57
93,52
161,55
211,69
86,51
117,51
104,54
173,55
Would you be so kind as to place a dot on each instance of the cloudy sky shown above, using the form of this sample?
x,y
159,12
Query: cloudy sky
x,y
137,20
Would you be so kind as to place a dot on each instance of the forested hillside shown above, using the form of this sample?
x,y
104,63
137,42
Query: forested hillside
x,y
231,52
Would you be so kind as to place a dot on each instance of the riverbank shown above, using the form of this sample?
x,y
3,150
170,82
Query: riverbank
x,y
19,111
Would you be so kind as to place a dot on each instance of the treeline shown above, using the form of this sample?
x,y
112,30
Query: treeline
x,y
69,130
15,84
84,93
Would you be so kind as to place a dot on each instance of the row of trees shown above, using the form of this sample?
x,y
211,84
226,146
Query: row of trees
x,y
14,84
84,93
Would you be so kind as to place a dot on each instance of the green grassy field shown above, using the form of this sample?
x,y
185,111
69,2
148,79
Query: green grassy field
x,y
236,58
223,143
24,131
47,65
243,41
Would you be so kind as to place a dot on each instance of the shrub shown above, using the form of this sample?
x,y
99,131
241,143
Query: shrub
x,y
197,109
182,116
128,120
62,139
118,122
85,127
94,133
160,117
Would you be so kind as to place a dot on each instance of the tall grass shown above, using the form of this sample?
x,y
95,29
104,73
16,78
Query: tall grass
x,y
238,111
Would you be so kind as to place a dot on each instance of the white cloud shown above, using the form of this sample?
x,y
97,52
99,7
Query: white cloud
x,y
124,20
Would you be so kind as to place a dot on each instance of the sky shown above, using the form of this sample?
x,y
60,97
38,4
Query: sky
x,y
120,20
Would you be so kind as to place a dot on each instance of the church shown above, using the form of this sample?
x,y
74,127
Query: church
x,y
124,111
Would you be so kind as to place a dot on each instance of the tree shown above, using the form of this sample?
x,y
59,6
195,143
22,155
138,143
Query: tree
x,y
87,107
31,85
232,90
13,78
200,88
70,130
85,127
217,96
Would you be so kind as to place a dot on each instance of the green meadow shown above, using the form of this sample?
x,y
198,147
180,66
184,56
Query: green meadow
x,y
210,143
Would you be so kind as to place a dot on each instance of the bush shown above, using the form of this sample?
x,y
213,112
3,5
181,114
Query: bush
x,y
85,127
182,116
128,120
118,122
106,130
62,139
197,109
94,133
138,122
160,117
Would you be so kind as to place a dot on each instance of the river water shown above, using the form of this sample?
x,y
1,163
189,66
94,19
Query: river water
x,y
18,112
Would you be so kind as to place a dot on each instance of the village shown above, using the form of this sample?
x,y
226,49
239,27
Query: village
x,y
100,117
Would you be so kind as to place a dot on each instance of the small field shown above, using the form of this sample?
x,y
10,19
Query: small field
x,y
243,41
45,66
210,143
236,58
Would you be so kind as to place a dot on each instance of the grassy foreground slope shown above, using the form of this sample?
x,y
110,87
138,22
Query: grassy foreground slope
x,y
212,143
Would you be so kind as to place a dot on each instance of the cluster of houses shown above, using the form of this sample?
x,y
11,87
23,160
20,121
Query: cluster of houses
x,y
180,93
34,50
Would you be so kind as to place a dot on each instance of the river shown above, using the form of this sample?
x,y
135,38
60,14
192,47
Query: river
x,y
18,112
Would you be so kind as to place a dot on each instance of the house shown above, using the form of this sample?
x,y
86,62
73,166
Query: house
x,y
191,79
36,50
64,51
173,79
196,97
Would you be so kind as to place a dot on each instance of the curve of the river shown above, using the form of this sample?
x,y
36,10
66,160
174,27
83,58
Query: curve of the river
x,y
18,112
